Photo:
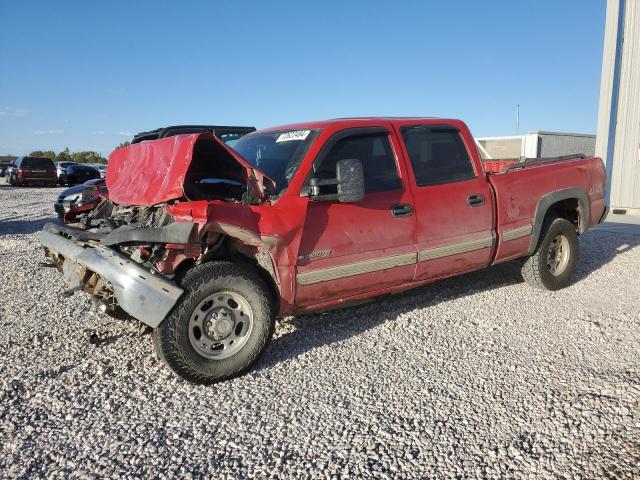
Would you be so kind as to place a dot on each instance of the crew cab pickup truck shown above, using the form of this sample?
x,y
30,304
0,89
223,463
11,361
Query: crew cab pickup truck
x,y
208,244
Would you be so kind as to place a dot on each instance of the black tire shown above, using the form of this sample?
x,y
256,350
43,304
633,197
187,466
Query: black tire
x,y
172,341
543,269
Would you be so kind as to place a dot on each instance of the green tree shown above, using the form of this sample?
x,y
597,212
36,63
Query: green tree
x,y
43,153
64,156
88,157
123,144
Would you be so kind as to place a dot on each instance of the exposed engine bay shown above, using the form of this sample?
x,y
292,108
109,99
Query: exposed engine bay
x,y
130,249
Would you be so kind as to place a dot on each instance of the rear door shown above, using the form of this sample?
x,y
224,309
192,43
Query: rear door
x,y
453,202
354,248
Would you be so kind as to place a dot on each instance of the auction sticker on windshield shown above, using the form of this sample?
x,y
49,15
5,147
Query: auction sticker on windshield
x,y
293,135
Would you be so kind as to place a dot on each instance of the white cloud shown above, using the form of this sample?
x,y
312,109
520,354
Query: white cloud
x,y
50,132
98,132
125,134
13,112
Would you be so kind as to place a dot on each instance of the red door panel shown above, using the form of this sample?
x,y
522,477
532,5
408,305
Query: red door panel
x,y
347,249
451,235
354,248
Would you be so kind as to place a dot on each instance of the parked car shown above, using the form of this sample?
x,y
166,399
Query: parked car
x,y
33,171
102,169
207,245
76,174
3,167
61,168
79,198
9,170
225,133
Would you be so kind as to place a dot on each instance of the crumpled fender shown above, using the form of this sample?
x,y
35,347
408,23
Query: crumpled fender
x,y
153,172
268,226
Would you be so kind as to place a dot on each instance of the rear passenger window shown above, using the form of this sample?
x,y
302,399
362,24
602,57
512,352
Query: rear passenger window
x,y
437,155
376,155
37,162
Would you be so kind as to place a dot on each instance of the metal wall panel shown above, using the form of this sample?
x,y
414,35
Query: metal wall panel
x,y
625,181
606,78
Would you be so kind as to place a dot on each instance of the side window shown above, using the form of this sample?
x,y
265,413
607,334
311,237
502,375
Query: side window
x,y
376,155
437,155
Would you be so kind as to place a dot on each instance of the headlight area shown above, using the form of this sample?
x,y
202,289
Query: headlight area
x,y
163,258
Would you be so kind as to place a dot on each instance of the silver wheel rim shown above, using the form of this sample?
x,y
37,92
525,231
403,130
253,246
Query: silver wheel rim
x,y
558,255
220,325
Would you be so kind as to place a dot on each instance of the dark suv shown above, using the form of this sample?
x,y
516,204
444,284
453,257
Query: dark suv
x,y
33,171
75,174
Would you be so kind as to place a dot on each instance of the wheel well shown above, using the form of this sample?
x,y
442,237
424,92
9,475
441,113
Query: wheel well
x,y
225,250
568,209
266,275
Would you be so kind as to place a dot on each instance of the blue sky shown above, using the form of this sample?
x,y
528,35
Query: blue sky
x,y
86,75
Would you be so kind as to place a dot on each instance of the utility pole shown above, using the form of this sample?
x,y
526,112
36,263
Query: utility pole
x,y
517,118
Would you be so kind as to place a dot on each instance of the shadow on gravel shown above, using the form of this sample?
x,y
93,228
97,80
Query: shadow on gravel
x,y
598,247
23,227
317,330
7,186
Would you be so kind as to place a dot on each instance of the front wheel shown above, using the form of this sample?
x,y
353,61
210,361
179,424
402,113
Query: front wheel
x,y
221,325
555,259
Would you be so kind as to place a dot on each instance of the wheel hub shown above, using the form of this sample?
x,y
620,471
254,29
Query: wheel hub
x,y
558,255
220,324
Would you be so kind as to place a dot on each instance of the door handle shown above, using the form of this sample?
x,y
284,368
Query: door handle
x,y
402,210
475,200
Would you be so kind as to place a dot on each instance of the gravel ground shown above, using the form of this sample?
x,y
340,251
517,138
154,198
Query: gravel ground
x,y
477,376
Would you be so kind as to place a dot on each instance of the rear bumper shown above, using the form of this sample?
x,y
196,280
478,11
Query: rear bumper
x,y
144,295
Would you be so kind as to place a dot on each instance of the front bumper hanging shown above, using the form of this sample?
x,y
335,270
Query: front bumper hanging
x,y
143,294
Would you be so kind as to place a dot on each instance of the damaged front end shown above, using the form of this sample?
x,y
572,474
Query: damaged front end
x,y
113,255
111,277
126,251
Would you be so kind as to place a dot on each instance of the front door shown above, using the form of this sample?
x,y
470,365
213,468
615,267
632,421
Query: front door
x,y
353,248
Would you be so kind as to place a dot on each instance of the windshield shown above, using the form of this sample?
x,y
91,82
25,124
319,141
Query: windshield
x,y
278,154
37,162
230,138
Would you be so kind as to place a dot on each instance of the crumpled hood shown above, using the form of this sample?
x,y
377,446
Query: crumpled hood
x,y
153,172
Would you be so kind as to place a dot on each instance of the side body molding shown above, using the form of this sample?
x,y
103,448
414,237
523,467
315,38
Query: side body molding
x,y
549,199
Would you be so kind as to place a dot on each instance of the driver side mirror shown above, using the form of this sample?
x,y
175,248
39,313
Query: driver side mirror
x,y
349,182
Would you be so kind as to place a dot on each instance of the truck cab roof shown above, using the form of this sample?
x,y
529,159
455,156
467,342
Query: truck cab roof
x,y
354,122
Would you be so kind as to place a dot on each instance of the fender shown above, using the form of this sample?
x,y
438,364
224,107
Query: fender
x,y
549,199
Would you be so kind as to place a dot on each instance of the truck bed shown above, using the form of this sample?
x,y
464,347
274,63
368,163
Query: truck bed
x,y
519,188
502,165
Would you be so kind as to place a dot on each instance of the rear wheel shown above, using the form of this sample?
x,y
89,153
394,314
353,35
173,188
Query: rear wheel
x,y
555,259
221,325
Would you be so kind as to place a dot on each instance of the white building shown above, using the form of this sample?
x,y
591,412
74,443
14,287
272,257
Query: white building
x,y
618,138
537,144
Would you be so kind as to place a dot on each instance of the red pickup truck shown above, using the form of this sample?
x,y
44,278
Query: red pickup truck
x,y
208,243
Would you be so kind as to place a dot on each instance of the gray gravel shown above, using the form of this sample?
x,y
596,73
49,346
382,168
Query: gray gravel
x,y
477,376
